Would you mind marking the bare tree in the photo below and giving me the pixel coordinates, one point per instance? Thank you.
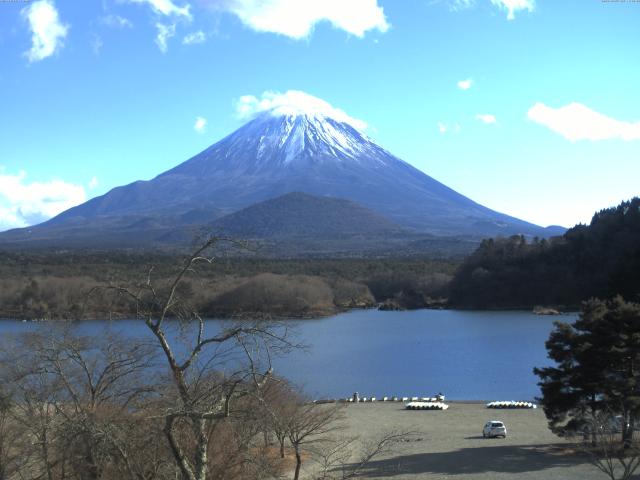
(600, 440)
(188, 402)
(278, 402)
(310, 424)
(210, 371)
(13, 440)
(76, 397)
(35, 410)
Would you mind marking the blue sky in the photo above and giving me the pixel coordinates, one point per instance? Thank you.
(528, 107)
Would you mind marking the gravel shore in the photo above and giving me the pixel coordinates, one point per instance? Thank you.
(450, 444)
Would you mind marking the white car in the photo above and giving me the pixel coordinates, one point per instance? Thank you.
(494, 428)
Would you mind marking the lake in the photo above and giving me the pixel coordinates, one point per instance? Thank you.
(467, 355)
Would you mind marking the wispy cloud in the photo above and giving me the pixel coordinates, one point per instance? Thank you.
(465, 84)
(296, 18)
(167, 7)
(512, 6)
(195, 37)
(200, 125)
(116, 21)
(457, 5)
(97, 44)
(23, 203)
(93, 183)
(454, 5)
(165, 32)
(292, 102)
(47, 31)
(486, 118)
(576, 121)
(444, 128)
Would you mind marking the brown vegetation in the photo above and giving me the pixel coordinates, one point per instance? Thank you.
(55, 285)
(280, 295)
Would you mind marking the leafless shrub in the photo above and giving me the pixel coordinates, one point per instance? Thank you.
(346, 457)
(599, 438)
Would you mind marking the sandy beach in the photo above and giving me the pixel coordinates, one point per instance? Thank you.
(450, 444)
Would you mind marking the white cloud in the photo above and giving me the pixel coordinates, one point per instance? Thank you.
(442, 128)
(47, 32)
(165, 32)
(116, 21)
(292, 102)
(465, 84)
(23, 204)
(167, 7)
(296, 18)
(195, 37)
(486, 118)
(200, 125)
(512, 6)
(576, 121)
(93, 183)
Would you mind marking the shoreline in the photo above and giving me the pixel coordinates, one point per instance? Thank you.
(316, 315)
(448, 402)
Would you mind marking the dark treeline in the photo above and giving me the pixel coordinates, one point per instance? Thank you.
(597, 260)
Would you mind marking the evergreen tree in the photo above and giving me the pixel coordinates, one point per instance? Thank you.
(597, 367)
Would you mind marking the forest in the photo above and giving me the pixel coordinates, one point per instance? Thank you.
(596, 260)
(601, 260)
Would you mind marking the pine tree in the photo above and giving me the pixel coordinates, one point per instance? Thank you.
(597, 367)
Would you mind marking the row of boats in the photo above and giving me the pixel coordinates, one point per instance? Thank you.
(356, 398)
(430, 403)
(511, 404)
(426, 406)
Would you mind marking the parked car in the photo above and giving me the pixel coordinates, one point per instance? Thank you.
(494, 428)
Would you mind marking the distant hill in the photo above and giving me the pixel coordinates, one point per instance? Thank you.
(597, 260)
(297, 224)
(292, 225)
(301, 215)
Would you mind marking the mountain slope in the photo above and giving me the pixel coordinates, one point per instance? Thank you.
(275, 154)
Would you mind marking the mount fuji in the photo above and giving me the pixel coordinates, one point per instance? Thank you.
(286, 148)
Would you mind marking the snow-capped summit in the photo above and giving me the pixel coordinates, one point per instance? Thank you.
(297, 126)
(294, 103)
(302, 138)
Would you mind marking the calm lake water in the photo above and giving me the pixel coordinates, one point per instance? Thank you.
(466, 355)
